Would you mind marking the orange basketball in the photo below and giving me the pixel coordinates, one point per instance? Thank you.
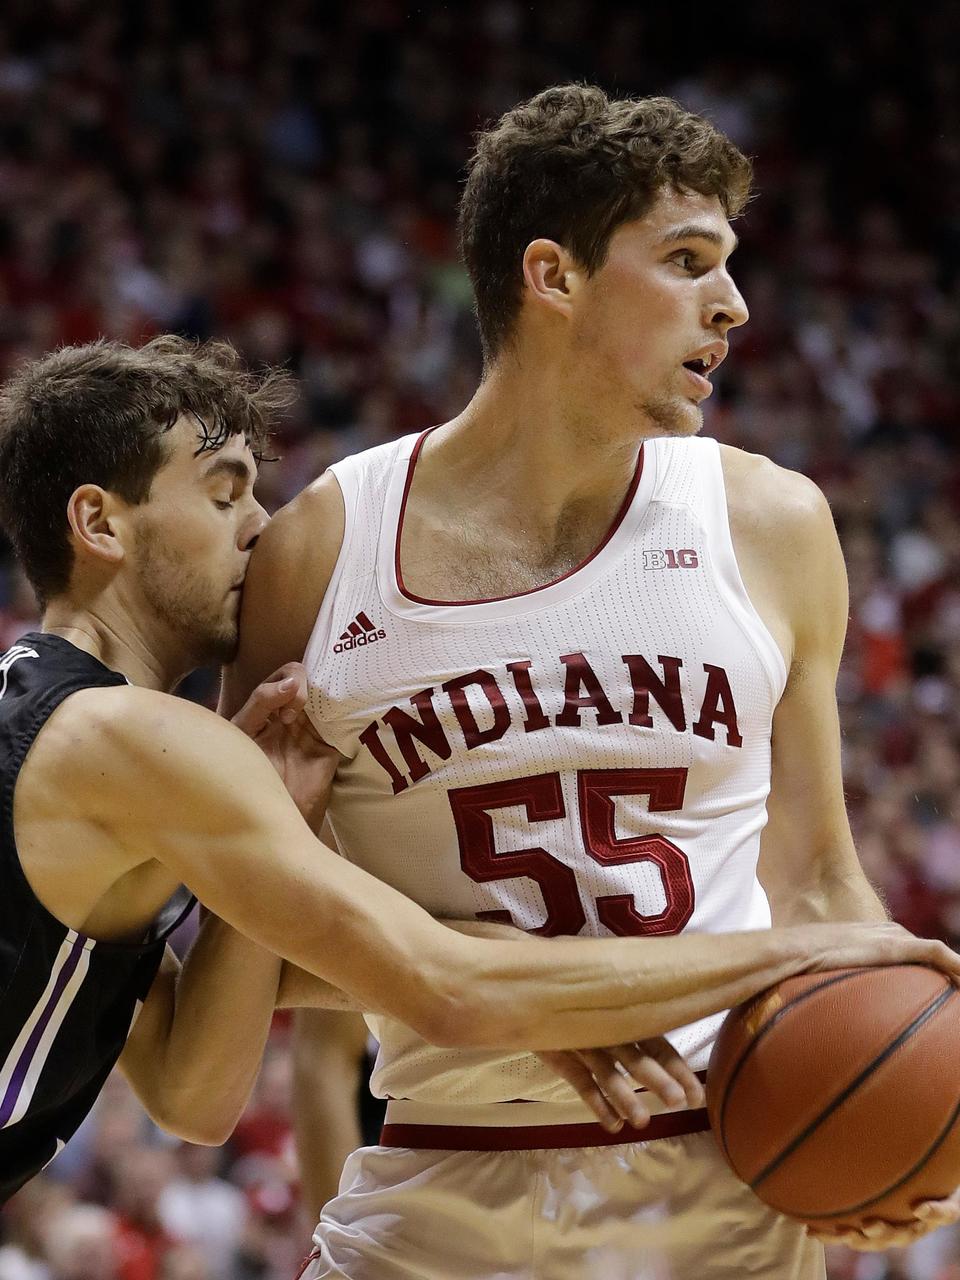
(836, 1096)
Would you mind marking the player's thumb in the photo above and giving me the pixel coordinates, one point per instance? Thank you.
(266, 699)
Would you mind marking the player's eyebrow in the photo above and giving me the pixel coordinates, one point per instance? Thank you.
(695, 231)
(234, 467)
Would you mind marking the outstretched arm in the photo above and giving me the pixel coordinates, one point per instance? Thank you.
(189, 790)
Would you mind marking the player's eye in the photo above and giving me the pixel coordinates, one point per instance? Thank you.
(686, 260)
(221, 505)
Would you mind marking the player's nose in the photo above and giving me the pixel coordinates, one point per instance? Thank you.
(729, 311)
(253, 526)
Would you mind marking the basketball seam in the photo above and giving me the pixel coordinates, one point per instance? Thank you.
(931, 1150)
(920, 1020)
(768, 1026)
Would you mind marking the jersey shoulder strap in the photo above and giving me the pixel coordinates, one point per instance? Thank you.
(364, 480)
(690, 474)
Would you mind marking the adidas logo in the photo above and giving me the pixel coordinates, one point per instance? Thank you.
(361, 631)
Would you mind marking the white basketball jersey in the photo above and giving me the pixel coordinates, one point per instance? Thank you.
(591, 757)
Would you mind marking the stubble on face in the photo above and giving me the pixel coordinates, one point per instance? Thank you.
(204, 619)
(670, 417)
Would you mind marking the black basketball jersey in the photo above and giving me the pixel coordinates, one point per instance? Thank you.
(67, 1003)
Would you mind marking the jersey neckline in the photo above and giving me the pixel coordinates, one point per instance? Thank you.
(402, 601)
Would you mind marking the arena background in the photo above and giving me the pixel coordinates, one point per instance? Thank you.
(285, 175)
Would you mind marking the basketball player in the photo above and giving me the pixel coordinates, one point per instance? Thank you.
(126, 483)
(573, 659)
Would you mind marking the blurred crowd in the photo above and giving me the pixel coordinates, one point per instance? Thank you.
(286, 176)
(125, 1202)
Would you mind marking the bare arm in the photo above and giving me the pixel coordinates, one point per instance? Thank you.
(808, 863)
(302, 990)
(193, 1053)
(328, 1051)
(234, 836)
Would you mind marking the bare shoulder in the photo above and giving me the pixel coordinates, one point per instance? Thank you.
(99, 738)
(289, 573)
(787, 546)
(311, 525)
(772, 502)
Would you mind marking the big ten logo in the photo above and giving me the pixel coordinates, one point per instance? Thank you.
(685, 558)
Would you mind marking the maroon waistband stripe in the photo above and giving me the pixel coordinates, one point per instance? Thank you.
(539, 1137)
(311, 1257)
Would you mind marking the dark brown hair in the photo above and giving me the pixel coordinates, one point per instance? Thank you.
(98, 414)
(572, 165)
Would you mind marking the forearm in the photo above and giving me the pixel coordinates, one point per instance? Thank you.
(196, 1048)
(577, 993)
(252, 858)
(527, 993)
(300, 989)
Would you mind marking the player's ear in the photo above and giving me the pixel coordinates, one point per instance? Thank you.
(92, 516)
(551, 275)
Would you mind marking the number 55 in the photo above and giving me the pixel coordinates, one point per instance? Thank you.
(542, 798)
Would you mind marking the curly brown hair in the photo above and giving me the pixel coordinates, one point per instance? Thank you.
(572, 165)
(98, 414)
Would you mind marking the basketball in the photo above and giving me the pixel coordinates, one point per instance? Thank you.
(835, 1096)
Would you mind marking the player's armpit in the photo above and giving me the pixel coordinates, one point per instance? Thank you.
(283, 590)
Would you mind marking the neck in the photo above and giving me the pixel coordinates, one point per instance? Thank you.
(121, 647)
(526, 444)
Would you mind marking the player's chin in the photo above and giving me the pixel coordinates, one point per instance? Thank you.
(686, 420)
(219, 646)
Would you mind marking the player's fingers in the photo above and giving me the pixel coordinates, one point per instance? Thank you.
(872, 1237)
(295, 694)
(662, 1051)
(265, 702)
(849, 1238)
(297, 698)
(938, 1213)
(282, 694)
(649, 1074)
(577, 1074)
(827, 1235)
(877, 1230)
(619, 1089)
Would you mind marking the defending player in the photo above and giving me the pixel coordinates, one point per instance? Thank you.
(126, 482)
(572, 657)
